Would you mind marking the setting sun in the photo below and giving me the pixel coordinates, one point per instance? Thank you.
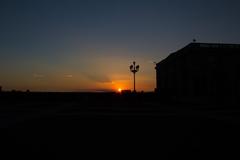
(119, 89)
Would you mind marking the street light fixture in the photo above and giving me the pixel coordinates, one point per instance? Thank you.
(134, 69)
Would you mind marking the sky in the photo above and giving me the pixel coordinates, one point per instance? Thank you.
(88, 45)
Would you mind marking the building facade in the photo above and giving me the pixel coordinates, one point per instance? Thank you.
(201, 71)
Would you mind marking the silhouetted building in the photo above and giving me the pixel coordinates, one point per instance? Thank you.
(126, 91)
(202, 72)
(0, 88)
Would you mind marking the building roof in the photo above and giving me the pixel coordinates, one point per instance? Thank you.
(202, 47)
(214, 45)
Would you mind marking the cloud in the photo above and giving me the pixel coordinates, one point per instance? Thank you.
(153, 62)
(100, 78)
(68, 76)
(38, 76)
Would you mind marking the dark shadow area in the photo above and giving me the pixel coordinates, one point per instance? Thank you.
(201, 73)
(110, 125)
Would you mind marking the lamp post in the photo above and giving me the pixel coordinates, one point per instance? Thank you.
(134, 69)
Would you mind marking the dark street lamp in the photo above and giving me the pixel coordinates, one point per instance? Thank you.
(134, 69)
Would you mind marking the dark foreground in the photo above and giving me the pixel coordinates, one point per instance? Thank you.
(110, 126)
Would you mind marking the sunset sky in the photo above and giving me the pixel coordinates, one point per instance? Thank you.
(88, 45)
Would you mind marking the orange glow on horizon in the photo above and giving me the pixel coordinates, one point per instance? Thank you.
(119, 90)
(119, 85)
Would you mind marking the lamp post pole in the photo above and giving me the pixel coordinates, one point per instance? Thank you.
(134, 69)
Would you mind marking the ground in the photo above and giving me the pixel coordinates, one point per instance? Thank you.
(109, 125)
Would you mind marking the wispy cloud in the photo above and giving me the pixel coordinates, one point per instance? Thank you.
(153, 62)
(38, 76)
(68, 76)
(100, 78)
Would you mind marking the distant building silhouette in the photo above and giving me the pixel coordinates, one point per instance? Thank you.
(126, 91)
(0, 88)
(201, 71)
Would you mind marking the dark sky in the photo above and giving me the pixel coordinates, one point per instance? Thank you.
(65, 45)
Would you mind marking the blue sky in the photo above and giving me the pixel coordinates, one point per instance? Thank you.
(68, 45)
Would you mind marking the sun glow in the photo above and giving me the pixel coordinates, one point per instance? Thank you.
(119, 90)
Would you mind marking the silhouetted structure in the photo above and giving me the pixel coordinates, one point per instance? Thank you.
(126, 91)
(202, 72)
(0, 88)
(134, 69)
